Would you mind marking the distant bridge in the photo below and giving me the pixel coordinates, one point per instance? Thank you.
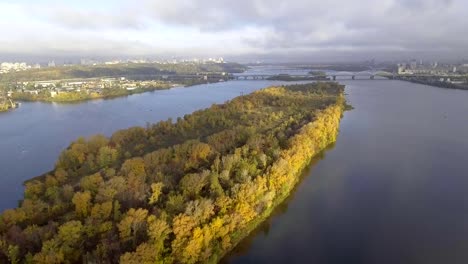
(365, 75)
(325, 77)
(333, 76)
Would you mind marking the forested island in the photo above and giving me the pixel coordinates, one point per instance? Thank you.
(183, 191)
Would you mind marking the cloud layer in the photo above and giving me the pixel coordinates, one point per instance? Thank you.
(295, 28)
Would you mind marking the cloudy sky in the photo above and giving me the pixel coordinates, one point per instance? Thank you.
(295, 29)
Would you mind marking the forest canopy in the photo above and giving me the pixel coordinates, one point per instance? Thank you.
(179, 191)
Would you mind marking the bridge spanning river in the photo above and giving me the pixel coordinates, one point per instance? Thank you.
(366, 75)
(304, 76)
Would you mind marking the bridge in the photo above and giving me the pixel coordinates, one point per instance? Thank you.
(365, 75)
(333, 76)
(320, 78)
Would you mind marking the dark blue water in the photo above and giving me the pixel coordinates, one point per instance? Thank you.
(394, 188)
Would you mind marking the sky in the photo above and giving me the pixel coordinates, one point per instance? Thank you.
(242, 29)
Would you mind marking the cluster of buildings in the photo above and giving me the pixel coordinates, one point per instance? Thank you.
(194, 60)
(414, 67)
(93, 62)
(6, 67)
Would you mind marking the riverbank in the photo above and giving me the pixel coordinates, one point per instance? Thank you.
(329, 122)
(4, 107)
(74, 97)
(435, 83)
(110, 93)
(199, 194)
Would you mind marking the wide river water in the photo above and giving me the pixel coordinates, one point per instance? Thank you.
(393, 189)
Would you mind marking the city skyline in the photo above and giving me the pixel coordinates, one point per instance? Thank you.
(294, 30)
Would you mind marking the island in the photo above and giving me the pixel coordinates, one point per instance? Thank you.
(179, 191)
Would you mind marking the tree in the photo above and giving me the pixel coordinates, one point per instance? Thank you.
(34, 189)
(107, 156)
(200, 210)
(101, 212)
(132, 227)
(216, 189)
(175, 204)
(65, 247)
(74, 157)
(92, 183)
(158, 231)
(61, 175)
(135, 166)
(192, 184)
(82, 202)
(156, 191)
(96, 142)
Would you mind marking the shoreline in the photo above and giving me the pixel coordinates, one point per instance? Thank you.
(82, 100)
(7, 107)
(132, 92)
(438, 84)
(298, 175)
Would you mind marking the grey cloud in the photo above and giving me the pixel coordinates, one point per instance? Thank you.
(89, 19)
(386, 27)
(420, 5)
(95, 20)
(395, 25)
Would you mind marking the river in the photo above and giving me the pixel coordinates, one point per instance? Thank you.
(393, 189)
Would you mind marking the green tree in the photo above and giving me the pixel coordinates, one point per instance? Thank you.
(107, 156)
